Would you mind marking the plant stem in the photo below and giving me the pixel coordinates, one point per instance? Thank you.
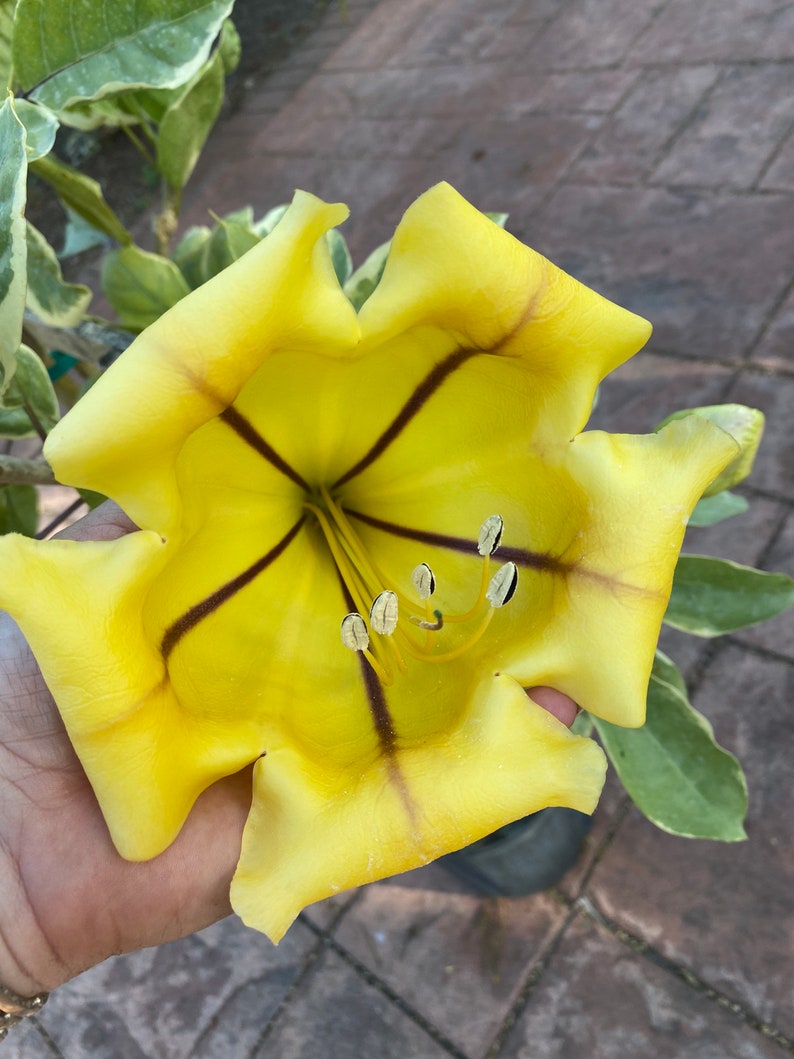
(140, 145)
(14, 470)
(36, 423)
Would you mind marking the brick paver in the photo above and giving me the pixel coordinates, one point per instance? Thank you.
(647, 146)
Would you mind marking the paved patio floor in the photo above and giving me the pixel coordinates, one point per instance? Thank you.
(646, 146)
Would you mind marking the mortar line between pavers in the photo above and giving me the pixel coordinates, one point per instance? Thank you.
(683, 64)
(765, 653)
(774, 537)
(531, 982)
(735, 365)
(723, 190)
(712, 648)
(767, 494)
(645, 29)
(619, 816)
(686, 123)
(562, 179)
(605, 117)
(772, 157)
(393, 997)
(692, 358)
(769, 317)
(699, 985)
(309, 963)
(729, 384)
(53, 1046)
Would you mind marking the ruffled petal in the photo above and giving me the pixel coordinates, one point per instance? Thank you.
(123, 438)
(453, 269)
(146, 758)
(314, 832)
(608, 602)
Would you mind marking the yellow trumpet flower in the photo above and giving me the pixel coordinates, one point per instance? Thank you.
(362, 536)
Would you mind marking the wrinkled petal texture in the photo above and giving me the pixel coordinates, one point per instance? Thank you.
(287, 460)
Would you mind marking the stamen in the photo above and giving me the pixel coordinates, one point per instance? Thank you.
(364, 580)
(350, 574)
(490, 535)
(356, 638)
(500, 591)
(354, 632)
(424, 581)
(383, 613)
(503, 585)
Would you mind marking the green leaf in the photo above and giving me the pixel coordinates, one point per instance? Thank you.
(190, 255)
(81, 194)
(582, 724)
(50, 297)
(665, 670)
(366, 278)
(674, 771)
(91, 498)
(13, 246)
(714, 596)
(187, 122)
(30, 391)
(141, 286)
(228, 242)
(40, 128)
(230, 47)
(6, 33)
(498, 218)
(710, 510)
(112, 112)
(19, 509)
(79, 235)
(243, 216)
(340, 255)
(265, 225)
(69, 51)
(746, 427)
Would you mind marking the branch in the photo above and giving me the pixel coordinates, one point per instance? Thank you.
(16, 471)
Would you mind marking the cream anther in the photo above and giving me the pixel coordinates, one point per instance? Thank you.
(490, 535)
(354, 632)
(423, 580)
(383, 613)
(503, 585)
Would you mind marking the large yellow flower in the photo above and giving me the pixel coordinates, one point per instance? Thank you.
(290, 464)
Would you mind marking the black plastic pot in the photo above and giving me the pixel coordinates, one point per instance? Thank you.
(524, 857)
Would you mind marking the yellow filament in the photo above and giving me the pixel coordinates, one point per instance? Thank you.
(350, 575)
(481, 597)
(386, 678)
(355, 585)
(398, 658)
(362, 557)
(461, 649)
(349, 535)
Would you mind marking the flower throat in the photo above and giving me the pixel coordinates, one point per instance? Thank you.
(398, 627)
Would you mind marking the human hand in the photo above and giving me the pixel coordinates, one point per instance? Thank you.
(69, 899)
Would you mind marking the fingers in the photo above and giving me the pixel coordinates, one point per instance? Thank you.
(561, 706)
